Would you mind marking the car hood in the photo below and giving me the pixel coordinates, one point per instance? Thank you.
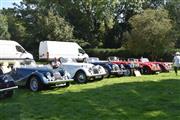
(40, 69)
(79, 64)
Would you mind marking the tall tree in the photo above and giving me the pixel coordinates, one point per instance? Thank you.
(150, 33)
(124, 10)
(173, 7)
(4, 34)
(41, 23)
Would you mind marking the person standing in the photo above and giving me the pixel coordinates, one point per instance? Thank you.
(176, 62)
(55, 63)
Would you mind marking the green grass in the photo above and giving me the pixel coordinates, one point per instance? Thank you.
(149, 97)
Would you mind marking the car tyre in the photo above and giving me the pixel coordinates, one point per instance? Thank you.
(146, 70)
(80, 77)
(35, 84)
(107, 73)
(128, 72)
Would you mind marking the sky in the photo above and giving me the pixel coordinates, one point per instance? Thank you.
(8, 3)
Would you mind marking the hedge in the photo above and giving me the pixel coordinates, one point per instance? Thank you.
(123, 53)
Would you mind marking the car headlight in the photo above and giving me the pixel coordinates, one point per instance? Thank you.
(90, 70)
(7, 78)
(115, 67)
(67, 75)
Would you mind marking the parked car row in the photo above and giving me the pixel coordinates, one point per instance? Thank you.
(19, 68)
(143, 65)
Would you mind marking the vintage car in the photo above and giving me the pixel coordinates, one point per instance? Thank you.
(129, 66)
(7, 86)
(82, 72)
(146, 67)
(164, 66)
(111, 68)
(37, 77)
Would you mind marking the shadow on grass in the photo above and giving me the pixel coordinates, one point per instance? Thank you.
(123, 101)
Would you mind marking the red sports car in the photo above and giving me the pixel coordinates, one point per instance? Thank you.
(164, 66)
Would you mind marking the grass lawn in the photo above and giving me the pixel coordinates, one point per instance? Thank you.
(149, 97)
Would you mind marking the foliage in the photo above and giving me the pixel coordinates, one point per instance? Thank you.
(91, 23)
(38, 24)
(55, 28)
(150, 33)
(174, 9)
(17, 30)
(130, 98)
(105, 53)
(4, 34)
(123, 11)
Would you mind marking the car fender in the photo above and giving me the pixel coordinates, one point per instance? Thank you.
(84, 70)
(41, 77)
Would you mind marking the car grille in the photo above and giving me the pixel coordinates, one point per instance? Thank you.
(95, 71)
(115, 68)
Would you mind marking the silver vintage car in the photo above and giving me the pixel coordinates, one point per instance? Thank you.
(82, 72)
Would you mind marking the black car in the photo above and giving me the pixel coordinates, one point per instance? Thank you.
(7, 86)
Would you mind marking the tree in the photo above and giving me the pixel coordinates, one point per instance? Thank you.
(123, 11)
(54, 27)
(150, 33)
(38, 23)
(4, 34)
(173, 7)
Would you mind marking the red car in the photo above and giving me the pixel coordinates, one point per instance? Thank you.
(164, 66)
(144, 67)
(128, 65)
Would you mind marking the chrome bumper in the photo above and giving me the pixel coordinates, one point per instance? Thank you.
(59, 81)
(10, 88)
(119, 72)
(96, 76)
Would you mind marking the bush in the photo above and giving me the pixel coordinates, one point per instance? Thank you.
(123, 53)
(105, 53)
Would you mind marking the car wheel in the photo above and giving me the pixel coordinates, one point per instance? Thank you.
(107, 73)
(80, 77)
(128, 72)
(146, 70)
(35, 84)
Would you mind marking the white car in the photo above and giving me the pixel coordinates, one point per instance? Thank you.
(82, 72)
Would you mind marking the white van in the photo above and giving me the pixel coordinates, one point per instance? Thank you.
(12, 52)
(49, 50)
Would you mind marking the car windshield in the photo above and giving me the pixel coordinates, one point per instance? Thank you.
(144, 60)
(28, 63)
(113, 59)
(132, 60)
(68, 60)
(93, 59)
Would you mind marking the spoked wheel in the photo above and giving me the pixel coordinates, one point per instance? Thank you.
(128, 72)
(146, 70)
(35, 84)
(80, 77)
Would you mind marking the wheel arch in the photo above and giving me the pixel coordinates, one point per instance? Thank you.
(35, 74)
(80, 70)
